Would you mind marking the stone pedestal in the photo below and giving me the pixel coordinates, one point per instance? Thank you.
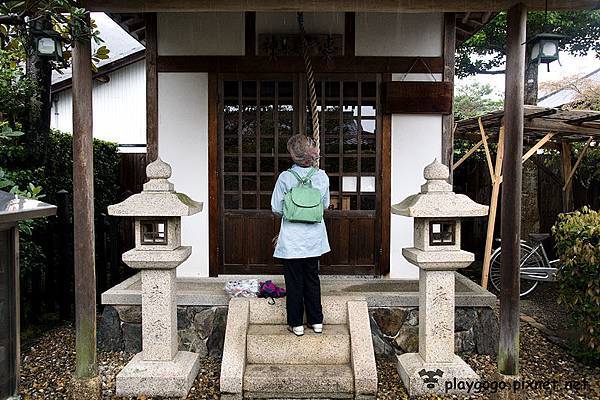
(435, 369)
(159, 369)
(437, 211)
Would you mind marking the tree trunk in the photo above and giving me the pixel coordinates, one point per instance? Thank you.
(37, 124)
(531, 79)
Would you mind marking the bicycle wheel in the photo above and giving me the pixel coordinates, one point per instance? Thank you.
(526, 285)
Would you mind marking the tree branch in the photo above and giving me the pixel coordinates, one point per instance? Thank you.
(11, 20)
(486, 72)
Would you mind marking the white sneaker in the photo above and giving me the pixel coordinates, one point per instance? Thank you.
(297, 330)
(317, 328)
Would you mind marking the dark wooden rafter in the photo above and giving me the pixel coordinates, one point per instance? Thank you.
(469, 23)
(350, 34)
(250, 33)
(331, 5)
(291, 64)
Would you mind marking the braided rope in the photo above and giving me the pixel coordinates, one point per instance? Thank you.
(314, 113)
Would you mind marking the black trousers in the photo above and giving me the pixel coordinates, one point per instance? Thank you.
(303, 290)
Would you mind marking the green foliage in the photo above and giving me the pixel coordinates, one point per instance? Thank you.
(475, 99)
(577, 237)
(64, 17)
(485, 50)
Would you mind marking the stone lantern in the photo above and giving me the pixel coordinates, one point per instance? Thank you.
(436, 211)
(160, 369)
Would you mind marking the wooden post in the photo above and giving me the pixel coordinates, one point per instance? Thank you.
(86, 368)
(151, 88)
(566, 169)
(489, 237)
(508, 353)
(448, 76)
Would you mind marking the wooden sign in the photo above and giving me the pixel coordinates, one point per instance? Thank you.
(401, 97)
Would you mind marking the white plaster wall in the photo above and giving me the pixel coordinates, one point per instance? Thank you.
(202, 33)
(397, 34)
(183, 143)
(119, 107)
(416, 141)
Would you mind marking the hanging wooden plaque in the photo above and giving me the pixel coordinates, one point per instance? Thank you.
(401, 97)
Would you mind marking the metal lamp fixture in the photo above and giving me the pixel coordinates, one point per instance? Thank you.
(48, 43)
(544, 46)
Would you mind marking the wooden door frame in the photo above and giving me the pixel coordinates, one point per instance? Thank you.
(383, 171)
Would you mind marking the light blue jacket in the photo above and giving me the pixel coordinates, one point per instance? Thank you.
(296, 239)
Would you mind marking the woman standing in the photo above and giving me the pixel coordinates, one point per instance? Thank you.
(300, 244)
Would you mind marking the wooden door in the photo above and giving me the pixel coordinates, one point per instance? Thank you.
(257, 116)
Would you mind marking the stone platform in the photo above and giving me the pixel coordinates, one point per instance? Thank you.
(393, 308)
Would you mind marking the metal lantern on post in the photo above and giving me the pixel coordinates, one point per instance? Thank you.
(48, 43)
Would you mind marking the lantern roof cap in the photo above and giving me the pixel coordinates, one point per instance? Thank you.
(158, 199)
(437, 200)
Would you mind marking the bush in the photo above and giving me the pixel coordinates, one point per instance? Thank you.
(577, 237)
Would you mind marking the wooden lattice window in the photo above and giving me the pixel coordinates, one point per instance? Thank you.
(349, 125)
(153, 232)
(258, 119)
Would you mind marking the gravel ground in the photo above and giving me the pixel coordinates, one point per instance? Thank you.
(48, 364)
(542, 306)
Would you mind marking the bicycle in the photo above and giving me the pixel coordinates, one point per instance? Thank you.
(535, 267)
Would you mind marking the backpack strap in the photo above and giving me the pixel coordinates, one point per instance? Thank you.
(308, 176)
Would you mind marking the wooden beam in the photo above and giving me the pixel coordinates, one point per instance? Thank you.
(292, 64)
(544, 124)
(329, 6)
(86, 366)
(151, 88)
(579, 158)
(489, 237)
(214, 105)
(581, 120)
(537, 146)
(467, 155)
(508, 352)
(566, 170)
(488, 156)
(350, 34)
(448, 76)
(250, 33)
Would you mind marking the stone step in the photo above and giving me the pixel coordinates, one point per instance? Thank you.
(267, 344)
(335, 310)
(298, 381)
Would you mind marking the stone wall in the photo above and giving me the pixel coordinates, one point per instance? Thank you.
(395, 330)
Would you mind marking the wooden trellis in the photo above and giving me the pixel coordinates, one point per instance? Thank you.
(543, 127)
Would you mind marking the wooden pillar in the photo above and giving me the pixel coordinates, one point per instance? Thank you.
(151, 89)
(566, 168)
(508, 353)
(83, 213)
(448, 76)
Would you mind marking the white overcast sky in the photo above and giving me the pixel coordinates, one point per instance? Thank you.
(571, 65)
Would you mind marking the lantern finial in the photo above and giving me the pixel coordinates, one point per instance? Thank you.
(436, 171)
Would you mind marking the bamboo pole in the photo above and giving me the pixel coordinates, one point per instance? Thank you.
(579, 158)
(488, 156)
(467, 155)
(508, 350)
(489, 237)
(567, 192)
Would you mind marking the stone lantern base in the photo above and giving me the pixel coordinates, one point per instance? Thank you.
(420, 377)
(159, 378)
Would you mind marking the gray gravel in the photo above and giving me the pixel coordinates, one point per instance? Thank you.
(48, 364)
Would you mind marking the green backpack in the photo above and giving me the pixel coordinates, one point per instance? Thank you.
(303, 203)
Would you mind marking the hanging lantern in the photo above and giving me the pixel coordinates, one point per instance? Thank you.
(544, 48)
(48, 44)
